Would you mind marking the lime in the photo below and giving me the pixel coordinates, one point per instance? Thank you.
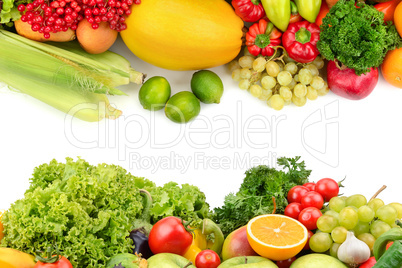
(207, 86)
(154, 93)
(182, 107)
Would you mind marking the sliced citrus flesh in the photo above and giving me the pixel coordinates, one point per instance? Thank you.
(276, 237)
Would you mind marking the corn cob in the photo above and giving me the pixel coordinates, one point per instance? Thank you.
(71, 81)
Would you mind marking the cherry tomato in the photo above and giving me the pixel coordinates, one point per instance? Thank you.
(62, 263)
(328, 188)
(307, 245)
(296, 192)
(310, 186)
(169, 235)
(369, 263)
(293, 210)
(207, 259)
(285, 263)
(309, 216)
(312, 199)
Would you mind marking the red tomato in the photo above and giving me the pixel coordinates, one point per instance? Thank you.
(310, 186)
(207, 259)
(369, 263)
(169, 235)
(312, 199)
(296, 192)
(388, 8)
(328, 188)
(307, 245)
(293, 210)
(285, 263)
(309, 216)
(62, 263)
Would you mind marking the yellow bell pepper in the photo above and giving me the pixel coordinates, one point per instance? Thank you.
(207, 236)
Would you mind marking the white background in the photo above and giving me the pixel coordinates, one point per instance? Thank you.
(335, 137)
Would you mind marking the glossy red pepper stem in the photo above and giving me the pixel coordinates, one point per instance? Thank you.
(262, 37)
(303, 35)
(300, 41)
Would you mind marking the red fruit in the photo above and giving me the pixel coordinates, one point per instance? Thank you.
(369, 263)
(207, 259)
(328, 188)
(296, 192)
(285, 263)
(307, 245)
(293, 210)
(346, 83)
(309, 216)
(310, 186)
(312, 199)
(236, 244)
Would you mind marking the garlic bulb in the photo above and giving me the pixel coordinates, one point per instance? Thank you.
(353, 251)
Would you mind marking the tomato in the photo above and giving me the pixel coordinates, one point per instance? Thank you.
(307, 245)
(62, 263)
(169, 235)
(388, 8)
(207, 259)
(285, 263)
(295, 18)
(293, 210)
(369, 263)
(398, 18)
(309, 216)
(310, 186)
(296, 192)
(312, 199)
(328, 188)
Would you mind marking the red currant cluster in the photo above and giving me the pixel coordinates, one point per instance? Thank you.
(52, 16)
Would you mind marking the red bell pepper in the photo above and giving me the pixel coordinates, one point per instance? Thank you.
(388, 8)
(262, 38)
(249, 10)
(300, 41)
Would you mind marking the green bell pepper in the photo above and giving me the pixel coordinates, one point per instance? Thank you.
(278, 12)
(308, 9)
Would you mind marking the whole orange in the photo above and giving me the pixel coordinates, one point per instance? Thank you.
(391, 68)
(398, 18)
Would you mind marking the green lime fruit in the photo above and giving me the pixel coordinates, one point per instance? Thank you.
(207, 86)
(182, 107)
(154, 93)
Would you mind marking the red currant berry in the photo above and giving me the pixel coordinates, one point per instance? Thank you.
(21, 8)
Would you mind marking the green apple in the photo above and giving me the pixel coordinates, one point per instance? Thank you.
(168, 260)
(248, 262)
(316, 260)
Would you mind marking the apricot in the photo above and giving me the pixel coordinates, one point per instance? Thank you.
(24, 29)
(95, 41)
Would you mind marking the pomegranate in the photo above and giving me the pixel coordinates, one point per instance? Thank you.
(346, 83)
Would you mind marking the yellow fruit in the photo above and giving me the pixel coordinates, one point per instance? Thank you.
(11, 258)
(183, 34)
(276, 237)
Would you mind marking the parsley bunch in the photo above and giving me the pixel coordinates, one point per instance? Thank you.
(255, 194)
(357, 36)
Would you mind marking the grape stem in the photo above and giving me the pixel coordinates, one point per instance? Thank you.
(378, 192)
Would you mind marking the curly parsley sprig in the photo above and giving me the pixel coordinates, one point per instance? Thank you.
(357, 36)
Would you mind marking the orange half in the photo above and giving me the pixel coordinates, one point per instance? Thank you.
(276, 237)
